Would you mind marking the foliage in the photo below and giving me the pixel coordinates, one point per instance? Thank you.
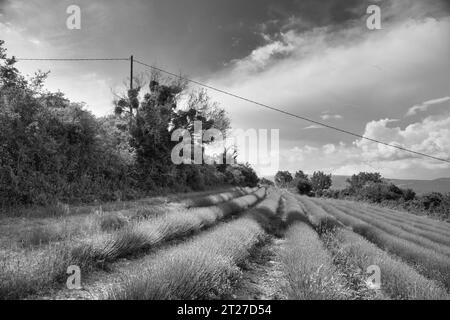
(358, 181)
(54, 150)
(283, 179)
(371, 187)
(50, 147)
(300, 175)
(241, 175)
(320, 181)
(267, 182)
(304, 186)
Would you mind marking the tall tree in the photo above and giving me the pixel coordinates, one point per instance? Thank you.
(320, 181)
(283, 179)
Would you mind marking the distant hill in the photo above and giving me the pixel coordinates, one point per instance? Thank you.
(441, 185)
(419, 186)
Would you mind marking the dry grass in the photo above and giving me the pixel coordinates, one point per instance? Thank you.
(398, 280)
(307, 264)
(202, 268)
(29, 271)
(429, 232)
(392, 229)
(150, 233)
(412, 218)
(214, 199)
(428, 262)
(34, 267)
(318, 217)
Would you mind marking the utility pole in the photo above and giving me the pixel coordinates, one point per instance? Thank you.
(131, 72)
(131, 90)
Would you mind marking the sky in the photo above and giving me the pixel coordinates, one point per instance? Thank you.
(316, 59)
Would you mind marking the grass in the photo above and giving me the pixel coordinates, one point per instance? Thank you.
(419, 220)
(64, 210)
(307, 264)
(318, 217)
(214, 199)
(28, 270)
(40, 235)
(202, 268)
(429, 232)
(153, 232)
(428, 262)
(398, 280)
(390, 228)
(112, 222)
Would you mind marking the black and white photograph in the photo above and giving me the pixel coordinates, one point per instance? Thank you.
(231, 157)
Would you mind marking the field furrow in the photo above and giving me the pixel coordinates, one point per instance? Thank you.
(428, 262)
(398, 280)
(307, 264)
(425, 229)
(27, 272)
(203, 267)
(391, 228)
(213, 199)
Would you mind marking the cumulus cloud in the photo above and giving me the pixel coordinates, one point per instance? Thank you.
(327, 116)
(262, 56)
(312, 127)
(430, 136)
(425, 105)
(359, 75)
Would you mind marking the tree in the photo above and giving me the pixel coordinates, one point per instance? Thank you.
(283, 179)
(320, 181)
(50, 148)
(300, 175)
(265, 181)
(409, 194)
(304, 186)
(241, 175)
(358, 181)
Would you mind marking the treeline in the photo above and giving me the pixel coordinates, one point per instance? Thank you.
(369, 187)
(52, 149)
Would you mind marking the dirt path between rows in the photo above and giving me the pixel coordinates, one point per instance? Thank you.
(263, 277)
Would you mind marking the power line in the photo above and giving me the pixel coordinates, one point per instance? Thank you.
(244, 99)
(291, 114)
(73, 59)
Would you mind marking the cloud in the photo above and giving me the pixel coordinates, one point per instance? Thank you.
(430, 136)
(262, 56)
(327, 116)
(425, 105)
(313, 127)
(328, 66)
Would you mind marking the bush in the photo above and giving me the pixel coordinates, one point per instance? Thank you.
(266, 182)
(304, 186)
(40, 236)
(320, 182)
(112, 222)
(358, 181)
(283, 179)
(241, 175)
(408, 194)
(54, 150)
(379, 192)
(431, 201)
